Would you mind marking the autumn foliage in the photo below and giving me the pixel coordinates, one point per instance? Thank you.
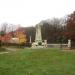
(6, 38)
(19, 34)
(70, 27)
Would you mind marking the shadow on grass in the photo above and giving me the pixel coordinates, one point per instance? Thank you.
(2, 49)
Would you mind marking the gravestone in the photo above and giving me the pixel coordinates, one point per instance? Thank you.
(69, 43)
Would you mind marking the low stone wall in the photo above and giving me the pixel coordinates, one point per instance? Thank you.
(63, 46)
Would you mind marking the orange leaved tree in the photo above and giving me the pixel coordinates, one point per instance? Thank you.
(20, 34)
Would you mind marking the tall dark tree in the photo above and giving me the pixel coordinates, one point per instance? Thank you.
(52, 30)
(70, 27)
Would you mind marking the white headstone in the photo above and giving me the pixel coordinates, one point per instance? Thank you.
(69, 43)
(45, 41)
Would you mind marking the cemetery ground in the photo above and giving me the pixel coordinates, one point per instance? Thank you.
(38, 62)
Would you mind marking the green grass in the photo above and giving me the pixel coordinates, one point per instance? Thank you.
(38, 62)
(2, 49)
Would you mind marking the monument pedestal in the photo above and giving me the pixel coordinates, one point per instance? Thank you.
(39, 45)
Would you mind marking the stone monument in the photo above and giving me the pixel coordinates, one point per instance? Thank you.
(38, 39)
(69, 43)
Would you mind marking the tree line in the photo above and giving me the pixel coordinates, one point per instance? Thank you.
(53, 30)
(56, 30)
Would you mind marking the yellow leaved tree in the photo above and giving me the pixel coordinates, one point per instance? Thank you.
(20, 34)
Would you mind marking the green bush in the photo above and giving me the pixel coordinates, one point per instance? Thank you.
(39, 43)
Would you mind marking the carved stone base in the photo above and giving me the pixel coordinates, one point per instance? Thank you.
(39, 45)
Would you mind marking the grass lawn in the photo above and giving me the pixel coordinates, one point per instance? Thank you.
(2, 49)
(37, 62)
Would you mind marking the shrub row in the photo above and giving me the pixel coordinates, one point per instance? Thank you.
(17, 45)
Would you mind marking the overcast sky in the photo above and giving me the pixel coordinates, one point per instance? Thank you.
(30, 12)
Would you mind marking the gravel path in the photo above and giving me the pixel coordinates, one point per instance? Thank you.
(3, 52)
(8, 50)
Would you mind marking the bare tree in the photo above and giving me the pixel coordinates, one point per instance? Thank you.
(4, 27)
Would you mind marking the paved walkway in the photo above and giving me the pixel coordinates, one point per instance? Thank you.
(3, 52)
(11, 49)
(8, 50)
